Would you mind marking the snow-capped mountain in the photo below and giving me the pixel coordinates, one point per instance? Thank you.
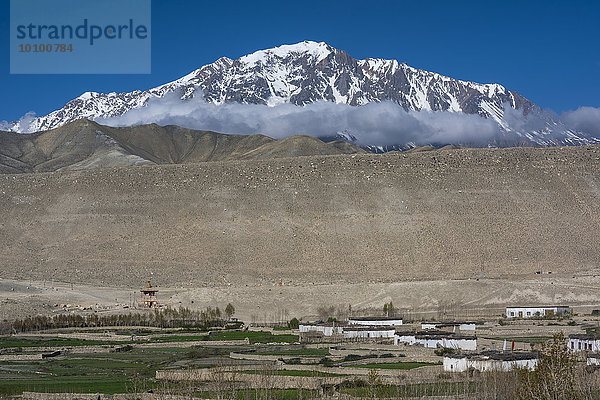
(307, 72)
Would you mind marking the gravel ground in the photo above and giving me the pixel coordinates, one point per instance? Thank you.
(350, 229)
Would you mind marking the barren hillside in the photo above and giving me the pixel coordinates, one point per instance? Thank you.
(320, 219)
(84, 144)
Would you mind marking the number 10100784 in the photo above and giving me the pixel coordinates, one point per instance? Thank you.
(46, 48)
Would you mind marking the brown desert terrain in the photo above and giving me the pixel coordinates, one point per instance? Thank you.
(356, 229)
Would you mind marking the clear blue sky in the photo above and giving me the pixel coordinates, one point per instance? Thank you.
(547, 50)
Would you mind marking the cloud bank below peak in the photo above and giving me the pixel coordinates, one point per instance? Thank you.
(379, 124)
(584, 119)
(374, 124)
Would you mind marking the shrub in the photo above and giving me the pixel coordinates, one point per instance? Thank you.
(442, 351)
(229, 310)
(353, 357)
(353, 383)
(204, 352)
(326, 362)
(294, 323)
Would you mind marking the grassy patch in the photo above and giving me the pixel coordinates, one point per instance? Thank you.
(10, 341)
(107, 373)
(106, 385)
(297, 352)
(254, 337)
(181, 338)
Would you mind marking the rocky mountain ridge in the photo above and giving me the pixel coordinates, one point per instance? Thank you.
(309, 72)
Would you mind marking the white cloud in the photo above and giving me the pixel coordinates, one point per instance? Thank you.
(375, 123)
(25, 121)
(585, 119)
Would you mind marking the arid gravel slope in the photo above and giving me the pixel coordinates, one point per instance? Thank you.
(321, 219)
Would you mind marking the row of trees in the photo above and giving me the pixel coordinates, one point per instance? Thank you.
(342, 312)
(167, 317)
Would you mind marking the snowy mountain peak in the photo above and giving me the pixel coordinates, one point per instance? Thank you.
(309, 72)
(316, 50)
(87, 96)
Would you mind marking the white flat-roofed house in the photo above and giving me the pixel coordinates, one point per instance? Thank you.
(584, 342)
(533, 312)
(436, 339)
(490, 361)
(451, 326)
(348, 332)
(325, 329)
(369, 332)
(375, 321)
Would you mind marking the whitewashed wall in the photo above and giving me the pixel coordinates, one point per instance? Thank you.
(369, 334)
(530, 312)
(324, 329)
(376, 322)
(462, 364)
(461, 327)
(584, 344)
(452, 343)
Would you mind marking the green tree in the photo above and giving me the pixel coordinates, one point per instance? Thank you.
(389, 310)
(554, 376)
(294, 323)
(229, 310)
(373, 382)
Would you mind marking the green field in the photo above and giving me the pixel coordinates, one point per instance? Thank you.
(107, 373)
(254, 337)
(180, 338)
(134, 368)
(65, 385)
(10, 341)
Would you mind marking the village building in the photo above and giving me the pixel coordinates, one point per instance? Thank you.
(328, 329)
(369, 332)
(455, 327)
(375, 321)
(593, 359)
(315, 332)
(437, 339)
(490, 361)
(149, 298)
(584, 342)
(533, 312)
